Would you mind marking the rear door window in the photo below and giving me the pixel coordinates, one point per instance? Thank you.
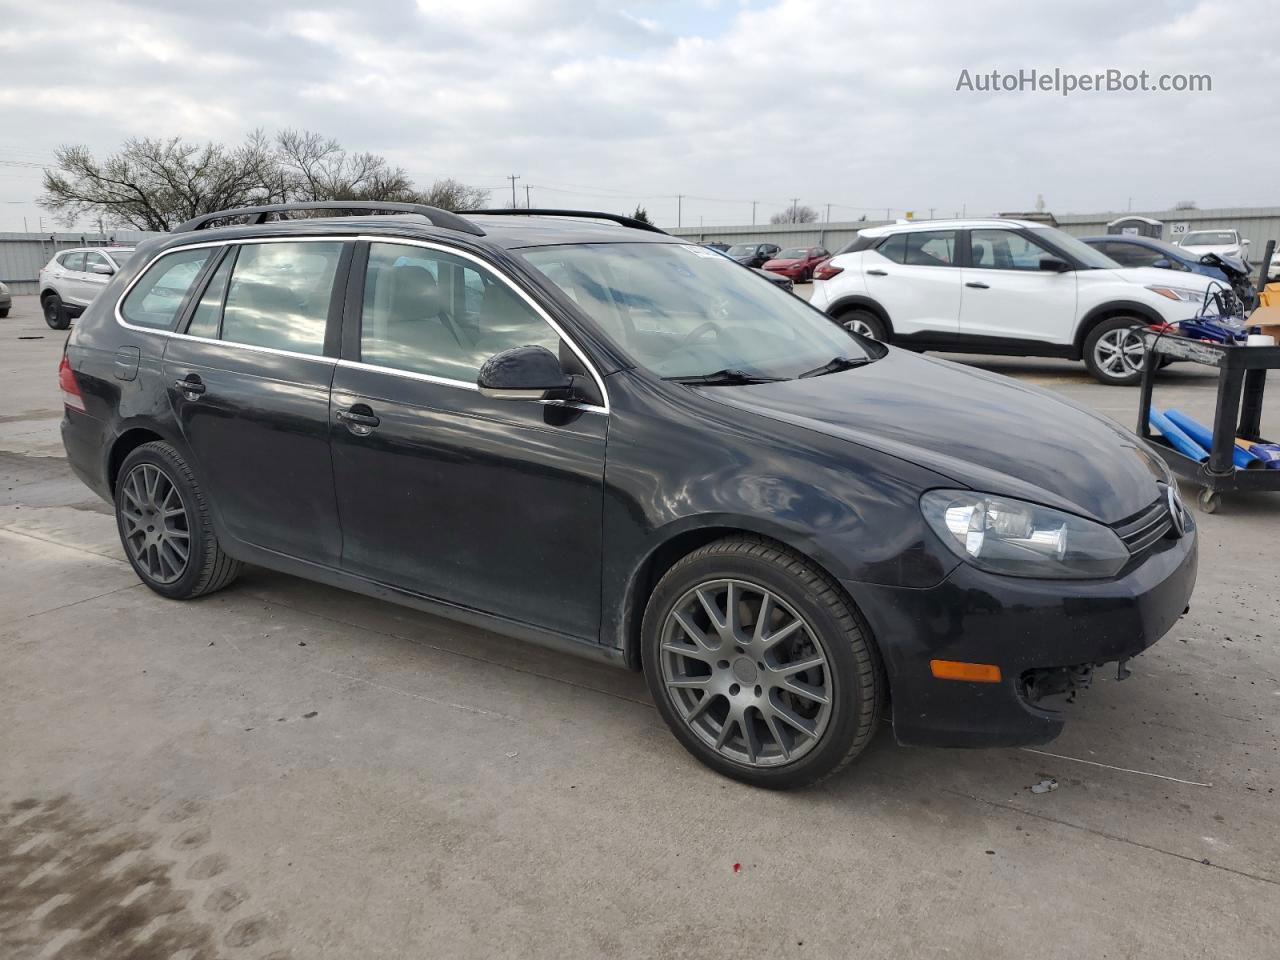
(206, 321)
(279, 295)
(158, 297)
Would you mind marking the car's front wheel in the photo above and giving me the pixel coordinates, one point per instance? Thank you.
(1114, 351)
(165, 528)
(55, 312)
(760, 665)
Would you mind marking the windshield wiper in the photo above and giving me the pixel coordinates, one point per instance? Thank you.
(723, 378)
(835, 365)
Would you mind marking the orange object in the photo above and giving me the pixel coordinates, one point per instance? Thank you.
(959, 670)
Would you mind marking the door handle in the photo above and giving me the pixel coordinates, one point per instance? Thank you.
(977, 285)
(877, 273)
(360, 424)
(191, 387)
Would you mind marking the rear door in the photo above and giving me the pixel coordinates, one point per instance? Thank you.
(249, 381)
(915, 276)
(491, 505)
(1008, 296)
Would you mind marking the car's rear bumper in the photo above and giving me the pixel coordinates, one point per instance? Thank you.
(1020, 626)
(82, 437)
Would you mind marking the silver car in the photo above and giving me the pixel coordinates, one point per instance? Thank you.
(70, 281)
(6, 300)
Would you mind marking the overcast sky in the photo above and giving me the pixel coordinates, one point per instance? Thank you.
(609, 105)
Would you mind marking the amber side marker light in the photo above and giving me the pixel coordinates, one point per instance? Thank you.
(959, 670)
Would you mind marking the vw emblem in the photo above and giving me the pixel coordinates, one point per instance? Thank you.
(1176, 513)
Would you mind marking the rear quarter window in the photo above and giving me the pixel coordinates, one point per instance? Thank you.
(157, 298)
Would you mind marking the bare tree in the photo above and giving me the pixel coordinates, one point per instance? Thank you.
(157, 184)
(796, 214)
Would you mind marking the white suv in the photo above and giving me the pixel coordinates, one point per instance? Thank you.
(69, 282)
(1002, 286)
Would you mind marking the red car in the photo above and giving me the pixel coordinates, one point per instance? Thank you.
(797, 263)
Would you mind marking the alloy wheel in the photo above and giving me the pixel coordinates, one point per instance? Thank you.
(858, 327)
(747, 673)
(157, 530)
(1119, 353)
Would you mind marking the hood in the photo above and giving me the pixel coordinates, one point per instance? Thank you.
(1222, 249)
(978, 429)
(1157, 276)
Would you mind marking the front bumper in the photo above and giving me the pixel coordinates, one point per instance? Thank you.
(1019, 625)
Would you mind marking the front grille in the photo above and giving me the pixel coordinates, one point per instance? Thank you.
(1141, 531)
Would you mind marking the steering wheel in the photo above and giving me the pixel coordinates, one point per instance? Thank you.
(705, 327)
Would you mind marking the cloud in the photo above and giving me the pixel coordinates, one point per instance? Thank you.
(595, 105)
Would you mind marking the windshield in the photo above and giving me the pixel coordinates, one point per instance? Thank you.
(1207, 238)
(683, 311)
(796, 254)
(1081, 251)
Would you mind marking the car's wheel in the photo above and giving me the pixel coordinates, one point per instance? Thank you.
(760, 664)
(164, 525)
(1114, 351)
(863, 322)
(4, 312)
(55, 312)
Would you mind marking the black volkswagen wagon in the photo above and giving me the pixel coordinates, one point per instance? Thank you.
(602, 438)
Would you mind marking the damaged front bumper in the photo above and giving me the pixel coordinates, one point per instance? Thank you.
(1046, 636)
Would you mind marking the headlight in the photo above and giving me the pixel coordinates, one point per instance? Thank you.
(1179, 293)
(1021, 539)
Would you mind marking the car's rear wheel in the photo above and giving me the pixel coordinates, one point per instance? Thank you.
(863, 322)
(1114, 351)
(760, 664)
(4, 312)
(55, 312)
(165, 528)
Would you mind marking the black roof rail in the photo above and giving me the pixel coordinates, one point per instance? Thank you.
(256, 215)
(589, 214)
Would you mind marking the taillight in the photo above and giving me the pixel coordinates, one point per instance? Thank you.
(826, 272)
(70, 389)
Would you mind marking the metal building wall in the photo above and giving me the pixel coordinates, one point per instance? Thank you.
(22, 255)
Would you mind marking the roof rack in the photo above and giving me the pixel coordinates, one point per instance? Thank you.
(256, 215)
(631, 222)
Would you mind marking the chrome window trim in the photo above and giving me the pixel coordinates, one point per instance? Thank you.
(410, 374)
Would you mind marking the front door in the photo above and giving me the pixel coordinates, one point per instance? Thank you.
(73, 284)
(491, 505)
(1008, 296)
(250, 385)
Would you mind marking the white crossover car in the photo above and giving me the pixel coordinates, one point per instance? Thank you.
(1003, 287)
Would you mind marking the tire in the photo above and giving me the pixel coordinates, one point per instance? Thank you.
(143, 477)
(715, 688)
(55, 312)
(1109, 354)
(4, 312)
(864, 322)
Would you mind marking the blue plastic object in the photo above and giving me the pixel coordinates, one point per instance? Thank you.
(1176, 437)
(1213, 329)
(1203, 436)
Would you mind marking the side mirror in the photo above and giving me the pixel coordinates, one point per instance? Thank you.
(1209, 259)
(1244, 243)
(523, 373)
(103, 269)
(1163, 263)
(1054, 265)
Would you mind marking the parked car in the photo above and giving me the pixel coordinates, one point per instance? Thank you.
(777, 279)
(1273, 268)
(6, 300)
(1002, 286)
(717, 247)
(1233, 274)
(69, 282)
(753, 254)
(797, 263)
(1227, 243)
(609, 441)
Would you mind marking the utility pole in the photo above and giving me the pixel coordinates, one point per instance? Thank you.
(753, 212)
(828, 220)
(679, 208)
(528, 204)
(794, 201)
(931, 213)
(888, 213)
(513, 178)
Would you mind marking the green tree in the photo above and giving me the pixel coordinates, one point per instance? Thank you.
(641, 214)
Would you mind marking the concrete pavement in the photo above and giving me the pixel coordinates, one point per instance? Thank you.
(283, 769)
